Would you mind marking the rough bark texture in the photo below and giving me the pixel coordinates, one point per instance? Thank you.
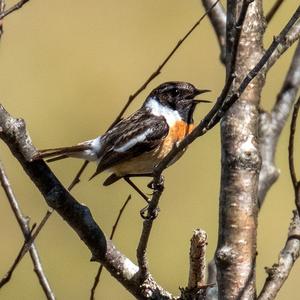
(235, 255)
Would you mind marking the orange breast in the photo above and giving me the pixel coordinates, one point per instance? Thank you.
(146, 162)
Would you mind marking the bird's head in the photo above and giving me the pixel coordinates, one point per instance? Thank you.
(177, 96)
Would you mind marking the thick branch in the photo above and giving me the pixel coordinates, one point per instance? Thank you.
(24, 225)
(217, 18)
(236, 251)
(78, 216)
(271, 125)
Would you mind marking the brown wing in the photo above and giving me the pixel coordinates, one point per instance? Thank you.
(131, 137)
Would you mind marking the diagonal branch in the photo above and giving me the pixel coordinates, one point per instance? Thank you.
(24, 225)
(12, 9)
(271, 125)
(78, 216)
(274, 9)
(280, 271)
(26, 246)
(221, 106)
(161, 66)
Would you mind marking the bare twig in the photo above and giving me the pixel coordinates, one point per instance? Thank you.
(160, 67)
(197, 259)
(97, 277)
(292, 36)
(280, 271)
(12, 9)
(2, 8)
(152, 211)
(26, 246)
(221, 106)
(217, 17)
(271, 125)
(295, 181)
(77, 176)
(273, 10)
(24, 225)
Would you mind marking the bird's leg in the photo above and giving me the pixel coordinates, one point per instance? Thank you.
(127, 179)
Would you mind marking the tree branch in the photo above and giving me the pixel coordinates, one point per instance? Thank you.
(224, 102)
(26, 246)
(292, 36)
(97, 277)
(273, 10)
(12, 9)
(280, 271)
(271, 125)
(217, 18)
(161, 66)
(24, 225)
(197, 259)
(158, 184)
(78, 216)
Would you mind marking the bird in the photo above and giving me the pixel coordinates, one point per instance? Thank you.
(136, 144)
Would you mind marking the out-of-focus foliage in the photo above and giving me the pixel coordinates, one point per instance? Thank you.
(67, 67)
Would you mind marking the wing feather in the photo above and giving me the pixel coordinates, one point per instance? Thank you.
(131, 137)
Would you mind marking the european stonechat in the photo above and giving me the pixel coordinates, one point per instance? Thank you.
(136, 144)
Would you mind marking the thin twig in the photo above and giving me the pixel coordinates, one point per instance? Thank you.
(272, 124)
(77, 176)
(160, 67)
(97, 277)
(26, 246)
(221, 106)
(2, 8)
(217, 17)
(273, 10)
(12, 9)
(280, 271)
(158, 183)
(295, 181)
(24, 225)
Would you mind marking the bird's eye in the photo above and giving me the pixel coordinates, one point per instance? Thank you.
(175, 92)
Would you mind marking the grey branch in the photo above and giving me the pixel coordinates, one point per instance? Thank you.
(271, 125)
(78, 216)
(236, 252)
(197, 259)
(24, 249)
(217, 18)
(292, 36)
(15, 7)
(24, 225)
(279, 272)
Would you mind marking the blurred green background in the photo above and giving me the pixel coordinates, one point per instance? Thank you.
(67, 68)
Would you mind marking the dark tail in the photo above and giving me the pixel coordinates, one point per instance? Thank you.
(59, 153)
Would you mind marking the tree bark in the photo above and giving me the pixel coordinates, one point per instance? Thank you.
(241, 162)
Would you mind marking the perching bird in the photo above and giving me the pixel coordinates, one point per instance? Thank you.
(136, 144)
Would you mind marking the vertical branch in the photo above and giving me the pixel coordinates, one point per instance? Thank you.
(2, 8)
(236, 251)
(197, 259)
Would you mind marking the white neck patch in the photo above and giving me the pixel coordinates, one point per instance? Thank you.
(157, 109)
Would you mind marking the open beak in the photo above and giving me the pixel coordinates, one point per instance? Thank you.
(198, 92)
